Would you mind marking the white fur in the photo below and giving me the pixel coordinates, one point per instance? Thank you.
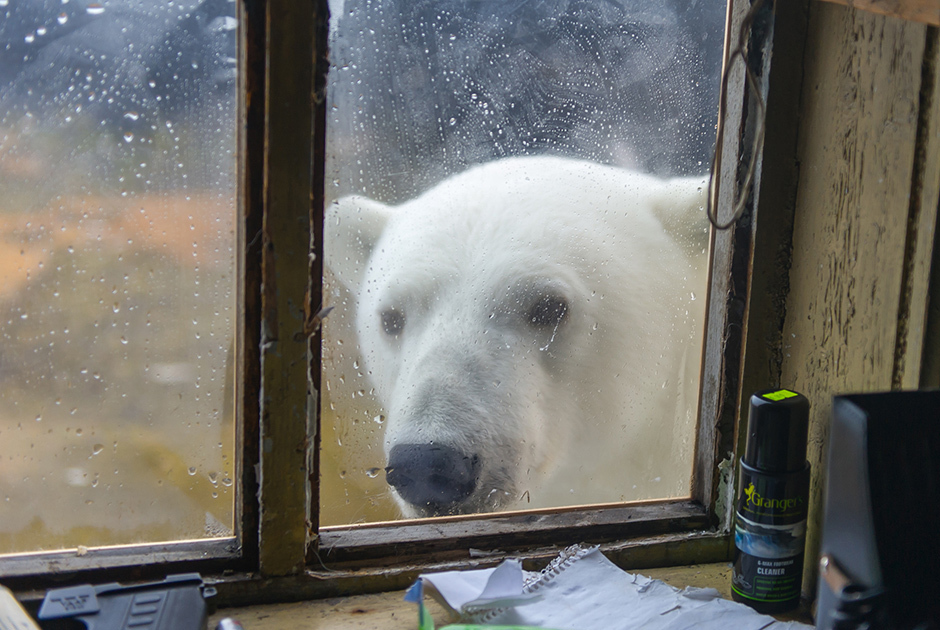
(599, 408)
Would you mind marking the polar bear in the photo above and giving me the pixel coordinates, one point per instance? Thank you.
(532, 327)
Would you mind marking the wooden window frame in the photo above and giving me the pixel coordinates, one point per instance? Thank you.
(26, 572)
(643, 534)
(279, 552)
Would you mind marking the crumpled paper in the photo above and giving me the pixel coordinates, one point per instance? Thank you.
(583, 590)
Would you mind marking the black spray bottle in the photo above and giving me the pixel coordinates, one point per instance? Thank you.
(770, 519)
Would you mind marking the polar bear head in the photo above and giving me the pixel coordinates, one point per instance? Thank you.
(527, 318)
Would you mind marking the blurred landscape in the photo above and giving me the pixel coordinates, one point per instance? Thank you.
(117, 272)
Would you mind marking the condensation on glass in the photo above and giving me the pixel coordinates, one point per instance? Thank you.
(516, 250)
(117, 271)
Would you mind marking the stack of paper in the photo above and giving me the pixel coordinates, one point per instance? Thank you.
(583, 590)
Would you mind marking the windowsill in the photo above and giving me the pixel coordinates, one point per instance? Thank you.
(388, 611)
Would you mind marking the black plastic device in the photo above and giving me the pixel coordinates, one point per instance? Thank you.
(880, 551)
(180, 602)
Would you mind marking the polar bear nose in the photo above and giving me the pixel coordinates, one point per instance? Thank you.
(432, 476)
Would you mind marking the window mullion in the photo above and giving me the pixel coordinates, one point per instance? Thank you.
(729, 276)
(288, 181)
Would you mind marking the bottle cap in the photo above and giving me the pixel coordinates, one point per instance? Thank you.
(777, 427)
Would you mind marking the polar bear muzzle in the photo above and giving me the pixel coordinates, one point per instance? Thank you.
(434, 478)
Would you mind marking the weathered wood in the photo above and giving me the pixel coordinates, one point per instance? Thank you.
(653, 551)
(917, 288)
(373, 611)
(930, 199)
(248, 326)
(671, 550)
(451, 537)
(927, 11)
(776, 199)
(751, 261)
(722, 317)
(119, 562)
(314, 300)
(290, 41)
(856, 149)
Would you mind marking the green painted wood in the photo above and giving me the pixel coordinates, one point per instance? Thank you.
(286, 237)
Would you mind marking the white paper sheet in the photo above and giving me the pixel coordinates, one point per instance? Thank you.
(583, 590)
(483, 589)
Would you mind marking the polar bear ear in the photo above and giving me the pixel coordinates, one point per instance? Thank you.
(680, 207)
(352, 226)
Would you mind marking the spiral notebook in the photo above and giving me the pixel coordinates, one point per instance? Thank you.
(583, 590)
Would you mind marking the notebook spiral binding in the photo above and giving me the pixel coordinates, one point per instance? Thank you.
(555, 567)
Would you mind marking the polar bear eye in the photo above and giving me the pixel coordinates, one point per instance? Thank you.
(393, 321)
(549, 311)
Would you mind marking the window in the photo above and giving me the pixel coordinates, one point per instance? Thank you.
(715, 439)
(529, 332)
(119, 263)
(279, 236)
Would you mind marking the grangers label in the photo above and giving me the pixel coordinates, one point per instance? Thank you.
(755, 501)
(773, 499)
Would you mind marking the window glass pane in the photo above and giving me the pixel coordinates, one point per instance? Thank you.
(516, 251)
(117, 271)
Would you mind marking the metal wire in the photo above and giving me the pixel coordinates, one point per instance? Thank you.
(739, 52)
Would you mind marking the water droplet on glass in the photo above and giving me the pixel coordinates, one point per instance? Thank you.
(63, 18)
(379, 419)
(372, 473)
(128, 137)
(94, 9)
(191, 471)
(30, 38)
(97, 448)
